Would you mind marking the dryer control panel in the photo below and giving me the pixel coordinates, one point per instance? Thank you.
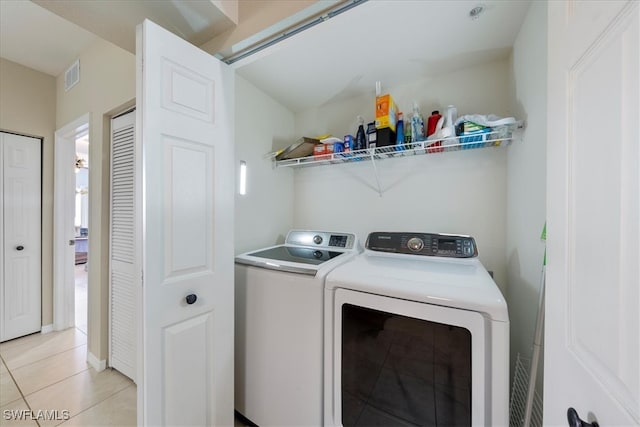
(425, 244)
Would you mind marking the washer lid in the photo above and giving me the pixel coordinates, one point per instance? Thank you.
(292, 259)
(296, 254)
(458, 283)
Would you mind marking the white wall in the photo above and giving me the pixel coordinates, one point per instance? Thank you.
(107, 82)
(265, 213)
(526, 174)
(460, 192)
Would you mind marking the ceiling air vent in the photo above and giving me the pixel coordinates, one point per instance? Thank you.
(72, 76)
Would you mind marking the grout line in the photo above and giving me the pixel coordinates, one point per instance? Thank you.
(43, 359)
(48, 356)
(98, 402)
(54, 383)
(24, 399)
(103, 400)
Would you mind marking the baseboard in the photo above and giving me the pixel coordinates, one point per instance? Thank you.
(97, 364)
(46, 328)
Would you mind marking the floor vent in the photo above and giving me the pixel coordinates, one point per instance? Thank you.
(72, 76)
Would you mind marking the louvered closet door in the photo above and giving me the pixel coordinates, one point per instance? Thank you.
(124, 274)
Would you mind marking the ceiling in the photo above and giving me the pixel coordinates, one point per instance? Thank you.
(49, 36)
(38, 39)
(388, 41)
(379, 40)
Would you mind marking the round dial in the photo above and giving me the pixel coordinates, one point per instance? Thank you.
(415, 244)
(317, 239)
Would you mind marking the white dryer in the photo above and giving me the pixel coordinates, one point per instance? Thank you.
(279, 327)
(416, 333)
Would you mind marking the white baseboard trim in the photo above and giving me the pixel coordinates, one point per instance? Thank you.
(97, 364)
(46, 328)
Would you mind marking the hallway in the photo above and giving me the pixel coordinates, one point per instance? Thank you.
(46, 381)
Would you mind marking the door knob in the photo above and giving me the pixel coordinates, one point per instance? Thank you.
(19, 248)
(191, 298)
(72, 242)
(575, 421)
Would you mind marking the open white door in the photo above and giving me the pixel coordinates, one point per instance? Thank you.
(184, 134)
(592, 338)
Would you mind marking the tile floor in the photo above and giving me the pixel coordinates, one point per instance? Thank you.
(47, 374)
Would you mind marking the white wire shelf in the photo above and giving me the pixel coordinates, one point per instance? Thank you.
(497, 137)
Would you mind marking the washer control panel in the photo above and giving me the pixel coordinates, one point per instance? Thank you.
(321, 239)
(425, 244)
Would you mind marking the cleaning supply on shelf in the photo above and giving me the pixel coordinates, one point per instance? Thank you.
(448, 129)
(386, 112)
(432, 122)
(371, 135)
(472, 135)
(432, 128)
(319, 151)
(400, 133)
(499, 128)
(490, 120)
(361, 139)
(417, 126)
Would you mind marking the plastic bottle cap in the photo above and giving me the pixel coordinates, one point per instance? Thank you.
(435, 112)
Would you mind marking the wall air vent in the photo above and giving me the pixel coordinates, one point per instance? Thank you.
(72, 76)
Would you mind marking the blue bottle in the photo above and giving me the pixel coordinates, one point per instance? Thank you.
(400, 133)
(361, 139)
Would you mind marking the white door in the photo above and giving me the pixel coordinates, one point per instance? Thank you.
(20, 223)
(592, 338)
(184, 128)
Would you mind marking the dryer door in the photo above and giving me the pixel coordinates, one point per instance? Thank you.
(398, 362)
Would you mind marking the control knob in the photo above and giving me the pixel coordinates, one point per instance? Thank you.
(317, 239)
(415, 244)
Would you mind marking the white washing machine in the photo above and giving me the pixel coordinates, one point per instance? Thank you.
(416, 333)
(279, 327)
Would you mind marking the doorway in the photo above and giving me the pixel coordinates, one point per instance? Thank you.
(71, 226)
(81, 226)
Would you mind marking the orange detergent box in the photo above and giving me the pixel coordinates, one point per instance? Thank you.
(386, 112)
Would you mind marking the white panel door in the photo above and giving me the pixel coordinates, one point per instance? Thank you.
(592, 338)
(184, 128)
(20, 290)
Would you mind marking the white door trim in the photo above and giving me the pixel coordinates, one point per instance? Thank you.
(63, 278)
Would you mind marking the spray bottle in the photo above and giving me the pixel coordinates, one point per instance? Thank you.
(417, 126)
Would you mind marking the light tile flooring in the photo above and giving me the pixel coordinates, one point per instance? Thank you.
(47, 377)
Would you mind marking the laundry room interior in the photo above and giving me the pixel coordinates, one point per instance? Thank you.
(317, 75)
(495, 194)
